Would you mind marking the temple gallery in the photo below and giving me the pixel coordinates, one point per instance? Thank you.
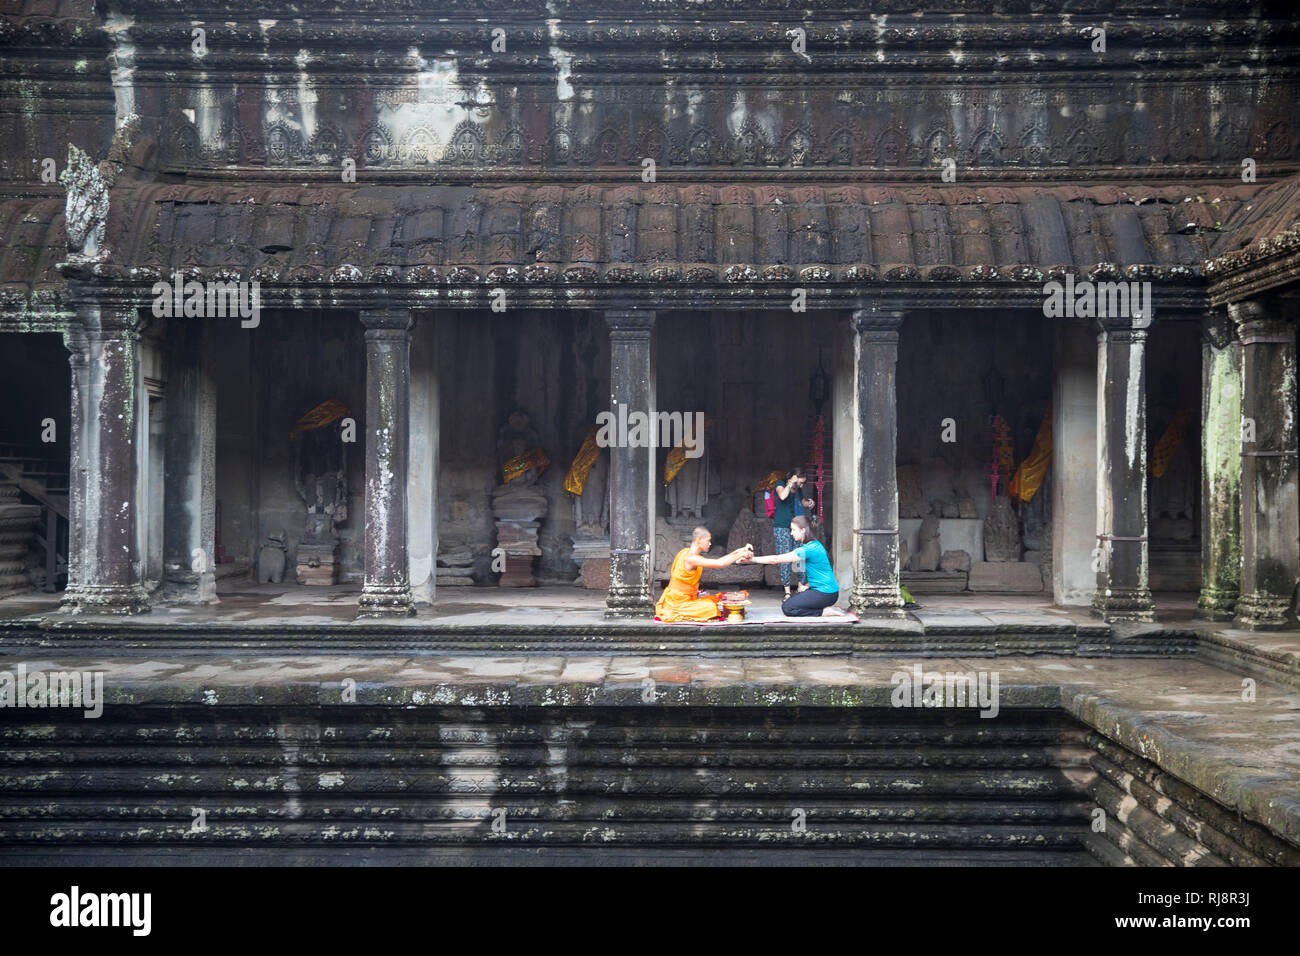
(487, 383)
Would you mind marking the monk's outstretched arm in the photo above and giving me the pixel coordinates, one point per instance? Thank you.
(699, 561)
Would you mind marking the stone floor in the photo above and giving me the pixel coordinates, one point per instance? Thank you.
(270, 603)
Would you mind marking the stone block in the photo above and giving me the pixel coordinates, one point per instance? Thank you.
(933, 582)
(1005, 577)
(595, 574)
(317, 564)
(454, 581)
(955, 561)
(518, 572)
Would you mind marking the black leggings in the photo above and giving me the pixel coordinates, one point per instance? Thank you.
(808, 603)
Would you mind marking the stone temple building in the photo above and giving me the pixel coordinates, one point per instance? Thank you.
(287, 293)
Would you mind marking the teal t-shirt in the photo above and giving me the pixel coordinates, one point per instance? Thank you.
(817, 565)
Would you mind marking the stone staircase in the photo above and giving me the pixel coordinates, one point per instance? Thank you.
(43, 481)
(457, 784)
(19, 523)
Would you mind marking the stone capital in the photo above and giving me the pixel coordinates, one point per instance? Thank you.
(1217, 328)
(871, 320)
(630, 323)
(1119, 326)
(397, 322)
(99, 321)
(74, 340)
(1120, 333)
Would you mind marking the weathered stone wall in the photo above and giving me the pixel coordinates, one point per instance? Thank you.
(682, 84)
(55, 88)
(1155, 819)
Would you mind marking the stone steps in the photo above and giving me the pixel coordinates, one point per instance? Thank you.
(1153, 819)
(18, 525)
(597, 784)
(871, 784)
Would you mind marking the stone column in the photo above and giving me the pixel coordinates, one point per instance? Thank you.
(104, 434)
(1074, 465)
(387, 589)
(78, 359)
(1270, 521)
(1123, 592)
(1220, 468)
(875, 442)
(630, 469)
(190, 471)
(422, 481)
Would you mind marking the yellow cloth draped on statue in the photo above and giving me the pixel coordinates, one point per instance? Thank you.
(320, 416)
(1029, 476)
(681, 600)
(576, 479)
(1163, 454)
(677, 457)
(533, 458)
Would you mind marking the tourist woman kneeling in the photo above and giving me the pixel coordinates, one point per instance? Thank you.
(822, 590)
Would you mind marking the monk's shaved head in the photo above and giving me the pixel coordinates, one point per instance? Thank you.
(699, 532)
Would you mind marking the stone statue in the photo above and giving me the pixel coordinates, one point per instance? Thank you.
(518, 503)
(270, 559)
(321, 479)
(517, 437)
(689, 491)
(1001, 531)
(86, 209)
(591, 508)
(928, 554)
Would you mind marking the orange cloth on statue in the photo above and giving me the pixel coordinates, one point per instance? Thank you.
(681, 601)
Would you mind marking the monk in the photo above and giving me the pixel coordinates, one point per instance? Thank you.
(681, 600)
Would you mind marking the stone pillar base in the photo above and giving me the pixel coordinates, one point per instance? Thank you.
(625, 602)
(518, 572)
(188, 587)
(386, 602)
(1264, 612)
(106, 599)
(1217, 604)
(1124, 604)
(877, 602)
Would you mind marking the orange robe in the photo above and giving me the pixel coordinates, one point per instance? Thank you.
(681, 601)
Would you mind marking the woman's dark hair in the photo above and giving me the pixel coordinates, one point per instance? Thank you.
(797, 473)
(800, 522)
